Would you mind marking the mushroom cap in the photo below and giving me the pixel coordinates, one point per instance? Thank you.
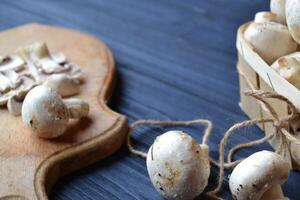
(288, 67)
(178, 167)
(251, 178)
(264, 16)
(293, 18)
(44, 112)
(278, 7)
(270, 40)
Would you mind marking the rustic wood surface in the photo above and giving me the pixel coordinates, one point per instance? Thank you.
(175, 60)
(29, 166)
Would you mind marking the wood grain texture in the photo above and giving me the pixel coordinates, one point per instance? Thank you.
(29, 166)
(175, 60)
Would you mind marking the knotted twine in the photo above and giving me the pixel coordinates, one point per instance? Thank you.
(281, 125)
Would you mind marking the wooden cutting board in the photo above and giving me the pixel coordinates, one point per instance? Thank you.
(29, 166)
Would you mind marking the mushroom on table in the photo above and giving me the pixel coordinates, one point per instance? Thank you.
(259, 177)
(178, 167)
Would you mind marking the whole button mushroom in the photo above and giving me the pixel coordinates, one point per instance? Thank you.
(288, 67)
(178, 167)
(47, 114)
(270, 40)
(293, 18)
(278, 7)
(259, 177)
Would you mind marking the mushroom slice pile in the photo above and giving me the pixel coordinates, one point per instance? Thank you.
(35, 65)
(42, 64)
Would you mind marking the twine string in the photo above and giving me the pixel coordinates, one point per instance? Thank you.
(285, 137)
(205, 137)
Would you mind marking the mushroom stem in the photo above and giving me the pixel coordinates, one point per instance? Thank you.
(77, 108)
(275, 193)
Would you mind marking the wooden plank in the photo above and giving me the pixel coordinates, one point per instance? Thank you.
(280, 108)
(248, 104)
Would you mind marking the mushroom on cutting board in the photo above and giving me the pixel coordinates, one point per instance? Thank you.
(47, 114)
(178, 167)
(270, 40)
(63, 84)
(259, 177)
(278, 7)
(11, 63)
(293, 18)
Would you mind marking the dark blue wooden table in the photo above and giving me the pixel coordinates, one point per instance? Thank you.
(176, 60)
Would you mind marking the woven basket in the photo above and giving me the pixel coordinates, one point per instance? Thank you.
(263, 77)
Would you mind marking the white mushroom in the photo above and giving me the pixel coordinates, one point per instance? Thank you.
(270, 40)
(178, 167)
(293, 18)
(14, 105)
(59, 58)
(278, 7)
(4, 83)
(259, 177)
(289, 68)
(11, 63)
(265, 17)
(63, 84)
(47, 114)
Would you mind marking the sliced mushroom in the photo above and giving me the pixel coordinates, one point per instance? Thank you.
(34, 65)
(270, 40)
(14, 78)
(14, 105)
(51, 67)
(38, 55)
(11, 63)
(59, 58)
(63, 84)
(26, 84)
(4, 83)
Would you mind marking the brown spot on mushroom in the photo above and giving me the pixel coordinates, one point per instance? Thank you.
(33, 122)
(173, 176)
(152, 152)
